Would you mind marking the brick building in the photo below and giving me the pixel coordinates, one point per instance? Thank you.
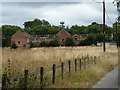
(62, 36)
(22, 39)
(76, 38)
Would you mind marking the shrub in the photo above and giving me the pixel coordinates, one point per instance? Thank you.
(88, 41)
(34, 45)
(53, 43)
(14, 46)
(69, 42)
(118, 39)
(44, 44)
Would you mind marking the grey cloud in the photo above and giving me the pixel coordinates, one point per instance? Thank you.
(72, 13)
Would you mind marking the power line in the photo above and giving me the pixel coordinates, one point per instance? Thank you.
(108, 16)
(105, 12)
(96, 1)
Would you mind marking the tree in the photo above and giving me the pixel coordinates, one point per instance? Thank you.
(69, 42)
(90, 40)
(38, 30)
(7, 32)
(30, 24)
(14, 46)
(45, 23)
(53, 29)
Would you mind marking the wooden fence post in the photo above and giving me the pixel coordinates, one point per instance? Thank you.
(62, 66)
(53, 78)
(69, 67)
(25, 78)
(84, 62)
(75, 65)
(41, 77)
(95, 59)
(4, 81)
(80, 64)
(88, 60)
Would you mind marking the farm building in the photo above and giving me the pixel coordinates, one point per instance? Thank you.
(22, 39)
(61, 36)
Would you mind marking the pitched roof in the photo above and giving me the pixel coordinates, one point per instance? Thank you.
(24, 34)
(63, 31)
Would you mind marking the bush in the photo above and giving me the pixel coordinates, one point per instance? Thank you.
(44, 44)
(53, 43)
(69, 42)
(91, 39)
(118, 39)
(34, 45)
(13, 46)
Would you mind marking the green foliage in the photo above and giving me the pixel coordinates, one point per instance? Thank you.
(44, 44)
(14, 46)
(69, 42)
(53, 43)
(94, 28)
(35, 22)
(53, 29)
(38, 30)
(34, 45)
(91, 39)
(118, 39)
(43, 27)
(77, 29)
(7, 32)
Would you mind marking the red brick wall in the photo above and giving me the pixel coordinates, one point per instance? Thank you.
(20, 37)
(62, 35)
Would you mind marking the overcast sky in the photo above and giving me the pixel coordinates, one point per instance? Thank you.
(72, 13)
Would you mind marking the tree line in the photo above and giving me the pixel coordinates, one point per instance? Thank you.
(94, 31)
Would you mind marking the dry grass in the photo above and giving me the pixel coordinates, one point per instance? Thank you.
(88, 77)
(33, 59)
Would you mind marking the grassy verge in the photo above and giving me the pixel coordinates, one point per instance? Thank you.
(88, 77)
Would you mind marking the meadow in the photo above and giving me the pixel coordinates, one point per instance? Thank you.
(33, 59)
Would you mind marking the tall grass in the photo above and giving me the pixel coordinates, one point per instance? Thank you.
(33, 59)
(88, 77)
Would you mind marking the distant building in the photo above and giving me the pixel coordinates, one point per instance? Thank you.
(61, 36)
(22, 39)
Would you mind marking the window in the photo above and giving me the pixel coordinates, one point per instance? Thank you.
(24, 45)
(63, 40)
(75, 38)
(18, 42)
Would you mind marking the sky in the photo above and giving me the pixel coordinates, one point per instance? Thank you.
(72, 13)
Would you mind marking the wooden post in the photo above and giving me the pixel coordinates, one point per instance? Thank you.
(62, 66)
(88, 60)
(53, 78)
(95, 59)
(4, 81)
(69, 67)
(41, 77)
(75, 65)
(25, 78)
(84, 63)
(80, 63)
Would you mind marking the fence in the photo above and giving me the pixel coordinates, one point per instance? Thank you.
(64, 69)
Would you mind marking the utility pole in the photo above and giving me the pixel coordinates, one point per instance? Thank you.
(104, 49)
(117, 3)
(116, 35)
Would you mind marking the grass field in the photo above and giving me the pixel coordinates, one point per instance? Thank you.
(33, 59)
